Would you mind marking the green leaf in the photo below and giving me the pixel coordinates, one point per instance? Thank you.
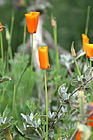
(3, 79)
(19, 131)
(32, 137)
(4, 126)
(87, 72)
(5, 113)
(82, 54)
(74, 82)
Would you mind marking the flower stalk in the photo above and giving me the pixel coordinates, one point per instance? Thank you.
(54, 25)
(86, 29)
(74, 54)
(32, 56)
(46, 106)
(24, 39)
(2, 53)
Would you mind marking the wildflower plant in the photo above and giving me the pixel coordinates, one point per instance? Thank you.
(67, 112)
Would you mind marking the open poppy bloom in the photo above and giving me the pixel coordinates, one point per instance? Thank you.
(32, 21)
(85, 40)
(89, 50)
(91, 118)
(78, 136)
(43, 57)
(1, 27)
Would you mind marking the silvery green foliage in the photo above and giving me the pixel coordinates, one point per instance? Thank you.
(4, 118)
(31, 121)
(88, 72)
(62, 91)
(66, 60)
(51, 133)
(82, 80)
(51, 115)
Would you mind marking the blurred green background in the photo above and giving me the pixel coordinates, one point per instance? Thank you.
(70, 15)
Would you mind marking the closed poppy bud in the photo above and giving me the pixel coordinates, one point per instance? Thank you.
(1, 27)
(91, 118)
(43, 57)
(32, 21)
(73, 50)
(85, 40)
(78, 136)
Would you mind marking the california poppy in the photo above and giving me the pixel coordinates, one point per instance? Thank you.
(89, 50)
(32, 21)
(91, 118)
(43, 57)
(1, 27)
(85, 40)
(78, 136)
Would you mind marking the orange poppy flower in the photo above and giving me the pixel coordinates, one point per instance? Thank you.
(78, 136)
(32, 21)
(85, 40)
(89, 50)
(43, 57)
(91, 118)
(1, 28)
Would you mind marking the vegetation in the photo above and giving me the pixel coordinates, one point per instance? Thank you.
(68, 84)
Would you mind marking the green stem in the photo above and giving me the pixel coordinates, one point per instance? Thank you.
(87, 20)
(18, 82)
(2, 53)
(91, 80)
(14, 98)
(32, 56)
(24, 39)
(77, 67)
(11, 31)
(55, 40)
(46, 107)
(86, 95)
(86, 29)
(87, 61)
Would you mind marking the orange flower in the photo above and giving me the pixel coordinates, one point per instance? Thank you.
(89, 50)
(1, 28)
(32, 21)
(85, 40)
(78, 136)
(43, 57)
(91, 118)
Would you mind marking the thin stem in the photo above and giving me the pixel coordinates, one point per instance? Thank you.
(46, 106)
(86, 29)
(55, 40)
(87, 61)
(11, 31)
(2, 53)
(77, 67)
(38, 134)
(32, 56)
(14, 98)
(74, 134)
(86, 95)
(87, 20)
(91, 80)
(24, 39)
(18, 82)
